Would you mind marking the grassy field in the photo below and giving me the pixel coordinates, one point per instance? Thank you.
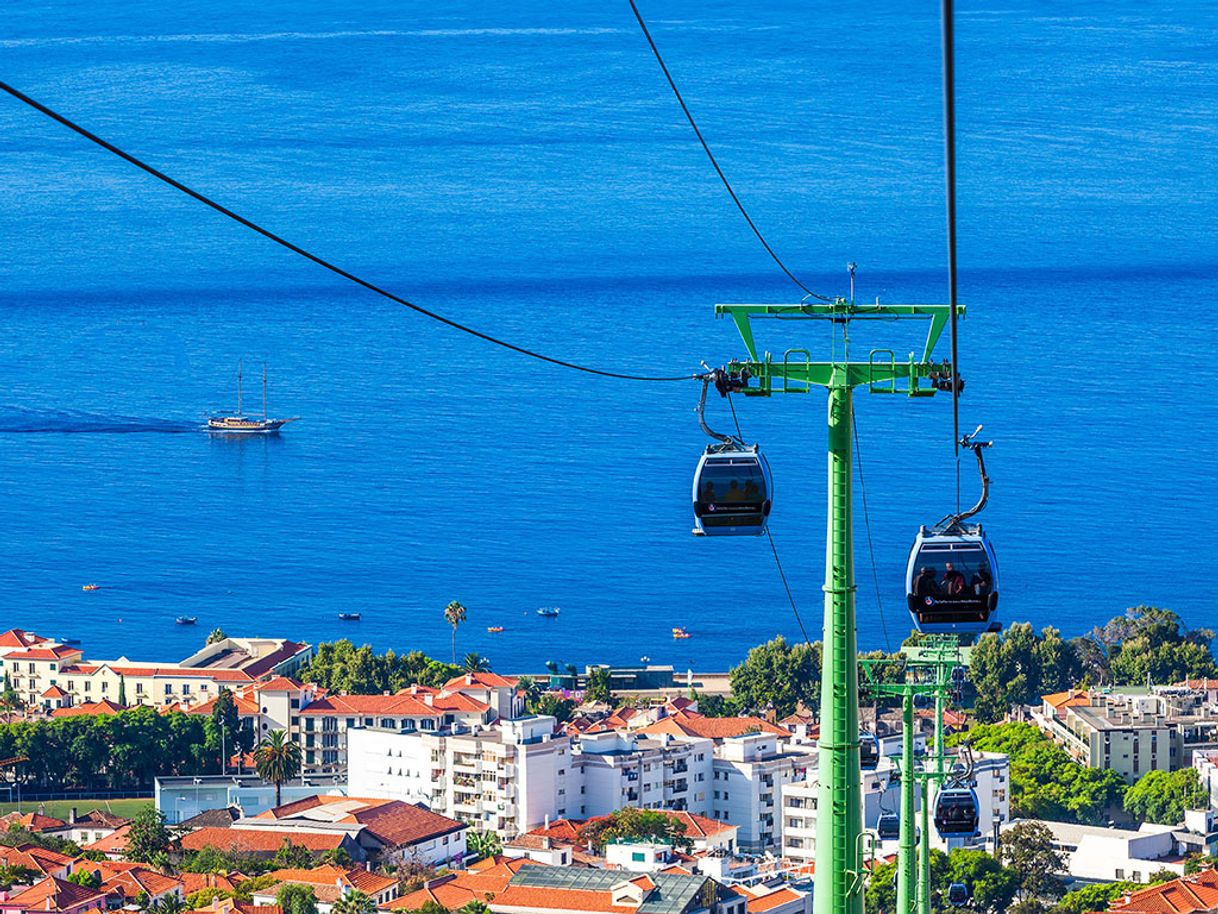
(61, 808)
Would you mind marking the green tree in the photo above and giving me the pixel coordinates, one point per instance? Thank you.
(553, 705)
(247, 887)
(204, 897)
(454, 615)
(484, 844)
(777, 676)
(277, 760)
(1163, 796)
(632, 823)
(599, 686)
(1046, 783)
(1150, 642)
(354, 902)
(717, 705)
(1017, 666)
(992, 887)
(90, 879)
(1092, 897)
(433, 907)
(293, 856)
(1027, 849)
(474, 907)
(473, 662)
(148, 837)
(293, 898)
(217, 635)
(227, 720)
(122, 690)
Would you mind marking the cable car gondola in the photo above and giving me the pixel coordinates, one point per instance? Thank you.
(951, 579)
(869, 750)
(957, 895)
(889, 826)
(732, 488)
(956, 812)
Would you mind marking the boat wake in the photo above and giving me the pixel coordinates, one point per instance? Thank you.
(17, 420)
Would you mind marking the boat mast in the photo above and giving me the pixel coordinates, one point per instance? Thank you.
(264, 391)
(239, 367)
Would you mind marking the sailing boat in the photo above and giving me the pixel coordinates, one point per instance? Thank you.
(245, 425)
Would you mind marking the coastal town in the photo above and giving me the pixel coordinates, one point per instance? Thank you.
(263, 775)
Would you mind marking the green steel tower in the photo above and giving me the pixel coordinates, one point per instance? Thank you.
(840, 873)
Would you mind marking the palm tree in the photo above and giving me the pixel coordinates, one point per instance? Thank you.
(484, 844)
(454, 615)
(277, 760)
(355, 902)
(474, 662)
(474, 907)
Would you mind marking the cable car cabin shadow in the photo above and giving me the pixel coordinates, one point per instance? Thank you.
(957, 813)
(951, 581)
(732, 491)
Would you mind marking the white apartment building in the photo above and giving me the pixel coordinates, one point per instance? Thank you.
(35, 666)
(619, 768)
(748, 776)
(881, 790)
(1098, 854)
(506, 778)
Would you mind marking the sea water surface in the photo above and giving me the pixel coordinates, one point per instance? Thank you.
(523, 168)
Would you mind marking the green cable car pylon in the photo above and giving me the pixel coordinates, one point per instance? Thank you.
(840, 873)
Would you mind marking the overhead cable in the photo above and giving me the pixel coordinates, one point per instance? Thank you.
(710, 155)
(321, 262)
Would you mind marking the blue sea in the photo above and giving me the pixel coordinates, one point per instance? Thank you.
(524, 168)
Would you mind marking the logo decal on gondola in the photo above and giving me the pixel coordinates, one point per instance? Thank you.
(930, 601)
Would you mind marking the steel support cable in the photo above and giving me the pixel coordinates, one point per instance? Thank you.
(715, 162)
(949, 144)
(774, 549)
(339, 271)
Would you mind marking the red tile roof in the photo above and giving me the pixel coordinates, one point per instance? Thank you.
(406, 703)
(16, 637)
(113, 843)
(685, 723)
(263, 665)
(52, 894)
(193, 882)
(280, 684)
(392, 822)
(33, 821)
(131, 881)
(487, 877)
(758, 904)
(44, 653)
(260, 841)
(89, 708)
(1187, 895)
(480, 680)
(1068, 699)
(35, 858)
(54, 692)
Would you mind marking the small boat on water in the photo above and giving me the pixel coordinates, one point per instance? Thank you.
(241, 424)
(186, 620)
(69, 641)
(494, 629)
(550, 612)
(91, 587)
(680, 633)
(349, 617)
(644, 659)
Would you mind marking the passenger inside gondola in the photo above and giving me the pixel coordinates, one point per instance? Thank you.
(953, 581)
(925, 584)
(982, 582)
